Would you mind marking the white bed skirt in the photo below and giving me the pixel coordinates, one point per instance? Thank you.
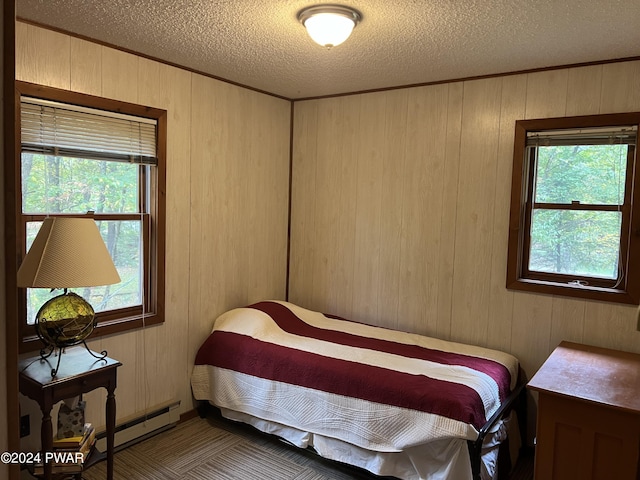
(438, 460)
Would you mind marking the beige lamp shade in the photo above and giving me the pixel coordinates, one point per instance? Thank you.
(68, 252)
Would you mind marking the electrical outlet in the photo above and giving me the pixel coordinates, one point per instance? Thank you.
(25, 426)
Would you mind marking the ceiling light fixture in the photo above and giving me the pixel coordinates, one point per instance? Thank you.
(329, 25)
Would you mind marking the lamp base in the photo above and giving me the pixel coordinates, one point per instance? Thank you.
(44, 355)
(65, 320)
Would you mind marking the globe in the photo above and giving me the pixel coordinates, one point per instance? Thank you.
(65, 320)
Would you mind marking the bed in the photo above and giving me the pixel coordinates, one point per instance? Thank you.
(394, 403)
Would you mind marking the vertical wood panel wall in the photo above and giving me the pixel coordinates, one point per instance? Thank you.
(227, 201)
(400, 209)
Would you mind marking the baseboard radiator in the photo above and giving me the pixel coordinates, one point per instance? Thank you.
(142, 427)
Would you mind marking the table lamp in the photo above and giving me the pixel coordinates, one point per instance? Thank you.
(68, 252)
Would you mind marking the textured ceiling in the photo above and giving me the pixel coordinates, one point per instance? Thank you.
(259, 43)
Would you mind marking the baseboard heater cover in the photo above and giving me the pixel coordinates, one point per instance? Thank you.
(140, 428)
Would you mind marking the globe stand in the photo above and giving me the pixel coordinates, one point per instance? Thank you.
(63, 321)
(45, 356)
(54, 371)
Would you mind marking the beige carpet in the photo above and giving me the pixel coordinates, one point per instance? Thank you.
(215, 449)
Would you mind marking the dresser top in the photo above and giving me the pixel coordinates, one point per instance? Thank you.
(592, 374)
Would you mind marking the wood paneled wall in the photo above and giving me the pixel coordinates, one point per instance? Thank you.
(227, 203)
(400, 209)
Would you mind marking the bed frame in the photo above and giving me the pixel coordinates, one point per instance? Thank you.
(515, 401)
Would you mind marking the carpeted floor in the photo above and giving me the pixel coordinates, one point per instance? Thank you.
(215, 449)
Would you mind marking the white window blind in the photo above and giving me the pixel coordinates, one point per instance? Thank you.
(586, 136)
(66, 130)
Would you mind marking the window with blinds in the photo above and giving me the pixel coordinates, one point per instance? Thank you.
(84, 155)
(573, 197)
(72, 131)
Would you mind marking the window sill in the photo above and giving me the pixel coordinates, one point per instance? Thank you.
(106, 327)
(571, 290)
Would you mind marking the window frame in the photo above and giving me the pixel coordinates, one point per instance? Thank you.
(523, 176)
(153, 218)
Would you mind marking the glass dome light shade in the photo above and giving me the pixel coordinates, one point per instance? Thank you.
(329, 29)
(329, 25)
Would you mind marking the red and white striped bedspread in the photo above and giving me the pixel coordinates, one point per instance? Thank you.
(372, 387)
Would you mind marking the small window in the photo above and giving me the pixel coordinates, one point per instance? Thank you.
(82, 154)
(574, 205)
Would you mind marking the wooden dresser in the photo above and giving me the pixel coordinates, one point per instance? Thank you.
(588, 414)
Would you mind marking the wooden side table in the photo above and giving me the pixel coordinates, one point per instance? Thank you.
(79, 373)
(588, 414)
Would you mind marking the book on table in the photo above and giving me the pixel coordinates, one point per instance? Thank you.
(84, 447)
(69, 453)
(75, 443)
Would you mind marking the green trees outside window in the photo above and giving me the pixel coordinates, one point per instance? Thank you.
(63, 185)
(582, 242)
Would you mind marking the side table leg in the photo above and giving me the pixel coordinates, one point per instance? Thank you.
(46, 440)
(111, 427)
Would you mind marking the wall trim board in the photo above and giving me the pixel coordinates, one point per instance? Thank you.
(289, 199)
(186, 416)
(477, 77)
